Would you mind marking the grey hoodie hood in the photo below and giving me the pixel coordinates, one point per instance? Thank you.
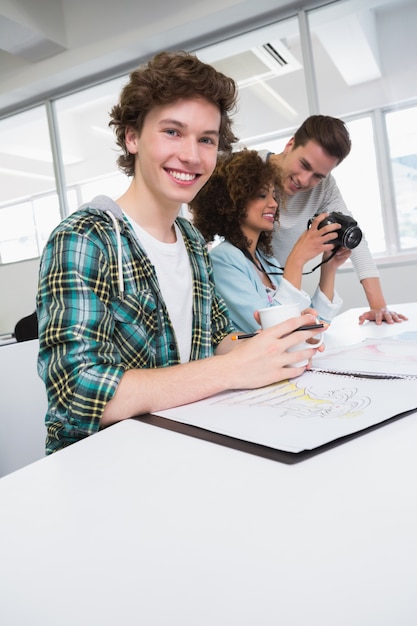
(115, 213)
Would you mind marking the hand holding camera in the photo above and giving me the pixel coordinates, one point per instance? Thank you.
(348, 236)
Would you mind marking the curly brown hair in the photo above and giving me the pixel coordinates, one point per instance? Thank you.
(167, 77)
(220, 206)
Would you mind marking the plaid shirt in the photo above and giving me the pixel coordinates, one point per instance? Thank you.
(89, 335)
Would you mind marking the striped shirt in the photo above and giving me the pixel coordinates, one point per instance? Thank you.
(324, 197)
(90, 333)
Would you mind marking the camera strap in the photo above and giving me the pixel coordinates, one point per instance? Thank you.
(322, 262)
(260, 267)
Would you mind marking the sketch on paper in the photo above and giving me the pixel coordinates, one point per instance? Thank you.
(293, 399)
(301, 413)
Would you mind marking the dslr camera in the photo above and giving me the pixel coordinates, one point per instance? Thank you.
(349, 236)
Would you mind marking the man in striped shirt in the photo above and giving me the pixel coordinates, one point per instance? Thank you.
(317, 147)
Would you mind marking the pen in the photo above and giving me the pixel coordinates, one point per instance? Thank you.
(310, 327)
(249, 335)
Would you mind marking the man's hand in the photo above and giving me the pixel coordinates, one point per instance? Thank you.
(381, 315)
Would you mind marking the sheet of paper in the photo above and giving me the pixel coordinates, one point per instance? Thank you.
(302, 413)
(393, 356)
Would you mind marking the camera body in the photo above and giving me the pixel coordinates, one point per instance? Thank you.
(349, 236)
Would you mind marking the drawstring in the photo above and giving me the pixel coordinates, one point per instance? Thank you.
(119, 255)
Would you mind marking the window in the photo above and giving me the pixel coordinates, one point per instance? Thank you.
(361, 59)
(357, 179)
(29, 206)
(357, 52)
(402, 137)
(89, 150)
(346, 58)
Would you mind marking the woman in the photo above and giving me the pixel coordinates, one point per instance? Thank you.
(240, 205)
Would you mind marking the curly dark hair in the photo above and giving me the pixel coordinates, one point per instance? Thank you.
(167, 77)
(219, 208)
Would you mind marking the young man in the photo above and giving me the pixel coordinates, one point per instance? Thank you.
(129, 320)
(317, 147)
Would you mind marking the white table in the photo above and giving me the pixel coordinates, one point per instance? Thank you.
(141, 525)
(23, 404)
(345, 328)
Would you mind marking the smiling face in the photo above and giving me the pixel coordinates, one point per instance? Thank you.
(305, 166)
(260, 214)
(176, 151)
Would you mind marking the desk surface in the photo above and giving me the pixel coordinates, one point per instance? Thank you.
(7, 339)
(140, 525)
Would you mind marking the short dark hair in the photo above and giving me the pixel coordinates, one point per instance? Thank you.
(220, 206)
(167, 77)
(329, 132)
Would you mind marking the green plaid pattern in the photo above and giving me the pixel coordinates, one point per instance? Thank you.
(89, 336)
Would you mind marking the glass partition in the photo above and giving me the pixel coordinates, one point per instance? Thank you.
(357, 179)
(362, 53)
(351, 59)
(402, 138)
(88, 146)
(29, 203)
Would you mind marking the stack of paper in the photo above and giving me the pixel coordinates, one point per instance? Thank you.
(393, 357)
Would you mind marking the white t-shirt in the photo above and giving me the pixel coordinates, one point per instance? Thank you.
(173, 271)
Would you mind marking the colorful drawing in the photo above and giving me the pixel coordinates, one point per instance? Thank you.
(295, 400)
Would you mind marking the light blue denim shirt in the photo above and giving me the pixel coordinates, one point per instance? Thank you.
(241, 287)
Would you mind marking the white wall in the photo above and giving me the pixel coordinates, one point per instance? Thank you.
(18, 285)
(23, 407)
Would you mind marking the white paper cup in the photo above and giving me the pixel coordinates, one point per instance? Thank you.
(275, 315)
(272, 315)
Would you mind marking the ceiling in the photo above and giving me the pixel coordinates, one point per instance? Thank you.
(47, 44)
(53, 47)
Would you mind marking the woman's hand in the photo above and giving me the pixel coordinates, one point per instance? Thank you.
(314, 241)
(341, 255)
(309, 245)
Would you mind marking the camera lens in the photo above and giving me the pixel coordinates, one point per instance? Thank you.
(351, 237)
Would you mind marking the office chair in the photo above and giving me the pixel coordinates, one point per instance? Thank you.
(27, 328)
